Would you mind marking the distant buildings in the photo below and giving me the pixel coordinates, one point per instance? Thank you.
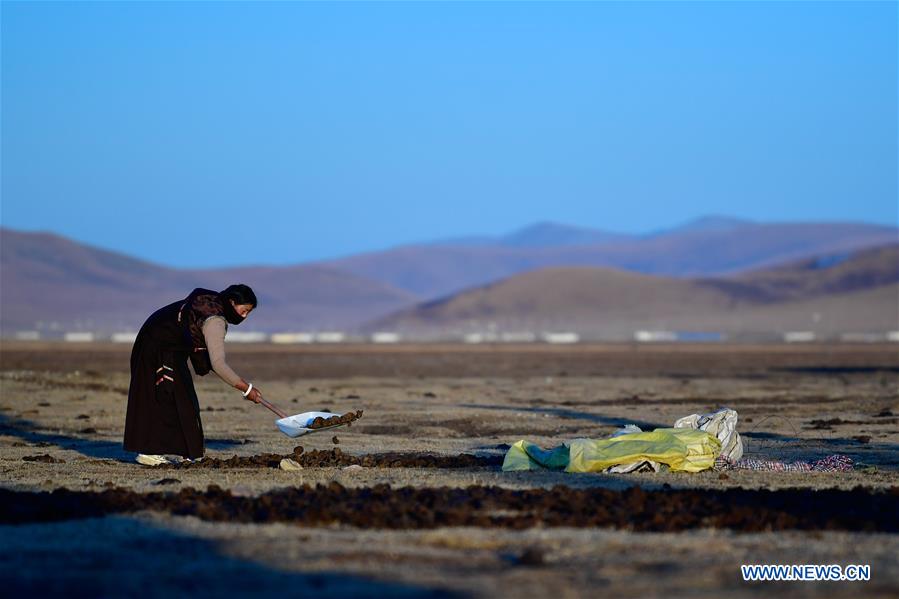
(654, 336)
(330, 337)
(245, 336)
(78, 337)
(492, 336)
(385, 337)
(290, 338)
(798, 337)
(123, 337)
(560, 338)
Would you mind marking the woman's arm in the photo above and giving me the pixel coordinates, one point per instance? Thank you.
(214, 333)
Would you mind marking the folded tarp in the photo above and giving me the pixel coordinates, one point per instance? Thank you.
(682, 449)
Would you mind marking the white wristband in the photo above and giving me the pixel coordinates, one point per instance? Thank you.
(247, 392)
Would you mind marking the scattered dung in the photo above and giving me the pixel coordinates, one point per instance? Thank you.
(47, 458)
(331, 458)
(347, 418)
(382, 507)
(825, 424)
(335, 440)
(264, 460)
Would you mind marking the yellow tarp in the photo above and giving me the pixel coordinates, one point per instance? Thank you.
(682, 449)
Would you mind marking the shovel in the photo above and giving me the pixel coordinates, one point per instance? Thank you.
(298, 424)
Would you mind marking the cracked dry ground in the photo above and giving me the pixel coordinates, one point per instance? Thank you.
(412, 501)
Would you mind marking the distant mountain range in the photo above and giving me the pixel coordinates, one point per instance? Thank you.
(705, 247)
(857, 292)
(48, 282)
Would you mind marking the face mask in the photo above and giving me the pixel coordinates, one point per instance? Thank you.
(231, 314)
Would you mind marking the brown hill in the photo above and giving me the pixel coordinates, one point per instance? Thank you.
(858, 292)
(52, 283)
(49, 282)
(831, 274)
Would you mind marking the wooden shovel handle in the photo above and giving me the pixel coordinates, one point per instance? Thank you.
(273, 408)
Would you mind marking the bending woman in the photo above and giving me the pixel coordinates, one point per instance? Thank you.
(163, 410)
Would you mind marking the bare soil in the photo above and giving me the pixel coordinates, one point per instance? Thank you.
(413, 502)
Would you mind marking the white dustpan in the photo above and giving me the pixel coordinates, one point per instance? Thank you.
(298, 424)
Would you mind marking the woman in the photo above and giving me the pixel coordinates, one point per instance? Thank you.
(163, 411)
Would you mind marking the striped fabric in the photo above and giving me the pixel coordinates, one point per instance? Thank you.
(165, 370)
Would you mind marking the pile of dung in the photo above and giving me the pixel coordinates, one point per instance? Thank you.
(860, 509)
(330, 458)
(347, 419)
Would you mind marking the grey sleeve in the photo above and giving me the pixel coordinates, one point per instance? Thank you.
(214, 331)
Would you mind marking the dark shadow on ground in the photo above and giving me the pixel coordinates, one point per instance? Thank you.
(31, 432)
(223, 443)
(835, 370)
(571, 414)
(133, 557)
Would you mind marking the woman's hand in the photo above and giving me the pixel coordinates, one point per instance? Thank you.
(255, 395)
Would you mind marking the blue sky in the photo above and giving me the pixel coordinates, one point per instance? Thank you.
(207, 134)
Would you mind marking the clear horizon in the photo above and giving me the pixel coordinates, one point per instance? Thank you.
(283, 133)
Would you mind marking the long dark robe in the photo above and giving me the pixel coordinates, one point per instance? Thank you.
(163, 411)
